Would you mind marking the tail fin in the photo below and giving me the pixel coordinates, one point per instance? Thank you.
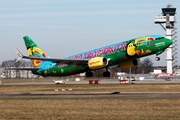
(34, 51)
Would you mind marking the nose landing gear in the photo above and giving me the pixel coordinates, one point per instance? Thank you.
(157, 58)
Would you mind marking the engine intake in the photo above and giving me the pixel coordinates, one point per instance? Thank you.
(128, 64)
(97, 62)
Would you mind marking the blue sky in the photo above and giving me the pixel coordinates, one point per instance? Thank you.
(67, 27)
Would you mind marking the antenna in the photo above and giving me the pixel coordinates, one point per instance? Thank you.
(169, 5)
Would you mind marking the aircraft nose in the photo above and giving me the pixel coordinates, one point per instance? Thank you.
(169, 42)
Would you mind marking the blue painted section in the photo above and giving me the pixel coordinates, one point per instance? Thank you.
(106, 49)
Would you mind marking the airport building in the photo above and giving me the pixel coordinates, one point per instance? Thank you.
(16, 73)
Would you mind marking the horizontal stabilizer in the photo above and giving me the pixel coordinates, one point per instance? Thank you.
(18, 52)
(20, 55)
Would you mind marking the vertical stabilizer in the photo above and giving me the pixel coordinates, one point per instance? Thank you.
(34, 51)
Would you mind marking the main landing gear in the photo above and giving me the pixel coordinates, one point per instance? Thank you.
(89, 74)
(106, 73)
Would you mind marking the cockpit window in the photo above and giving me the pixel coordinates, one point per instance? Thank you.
(159, 38)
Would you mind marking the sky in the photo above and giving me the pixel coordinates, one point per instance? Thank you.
(66, 27)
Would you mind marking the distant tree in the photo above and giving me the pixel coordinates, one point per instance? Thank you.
(13, 63)
(147, 65)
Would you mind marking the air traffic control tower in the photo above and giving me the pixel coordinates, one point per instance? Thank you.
(167, 20)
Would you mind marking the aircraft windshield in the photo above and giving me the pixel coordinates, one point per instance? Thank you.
(159, 38)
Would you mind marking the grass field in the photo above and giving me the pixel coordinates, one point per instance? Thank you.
(90, 109)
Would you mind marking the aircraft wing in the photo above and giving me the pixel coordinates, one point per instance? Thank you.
(59, 61)
(54, 60)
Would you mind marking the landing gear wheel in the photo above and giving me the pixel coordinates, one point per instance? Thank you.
(157, 58)
(89, 74)
(106, 74)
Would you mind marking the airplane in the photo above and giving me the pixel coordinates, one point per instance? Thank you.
(167, 76)
(122, 54)
(164, 75)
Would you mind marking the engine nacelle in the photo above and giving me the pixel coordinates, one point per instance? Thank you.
(128, 64)
(97, 62)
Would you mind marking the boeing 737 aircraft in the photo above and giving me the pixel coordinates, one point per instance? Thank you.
(123, 55)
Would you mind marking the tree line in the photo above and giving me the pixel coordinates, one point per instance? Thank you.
(13, 63)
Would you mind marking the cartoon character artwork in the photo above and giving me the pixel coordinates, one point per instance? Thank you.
(139, 47)
(131, 49)
(36, 52)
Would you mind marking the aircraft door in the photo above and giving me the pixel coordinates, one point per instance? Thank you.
(148, 43)
(47, 69)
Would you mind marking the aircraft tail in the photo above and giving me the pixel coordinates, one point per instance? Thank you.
(34, 51)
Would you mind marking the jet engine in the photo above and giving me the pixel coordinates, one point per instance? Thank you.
(97, 62)
(128, 64)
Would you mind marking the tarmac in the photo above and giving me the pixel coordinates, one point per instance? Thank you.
(93, 96)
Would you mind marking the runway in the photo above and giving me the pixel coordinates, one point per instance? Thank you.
(92, 96)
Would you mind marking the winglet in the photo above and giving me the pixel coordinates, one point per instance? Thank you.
(19, 54)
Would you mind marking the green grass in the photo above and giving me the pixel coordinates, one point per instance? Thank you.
(90, 109)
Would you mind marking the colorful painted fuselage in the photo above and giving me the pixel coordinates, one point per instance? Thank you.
(115, 53)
